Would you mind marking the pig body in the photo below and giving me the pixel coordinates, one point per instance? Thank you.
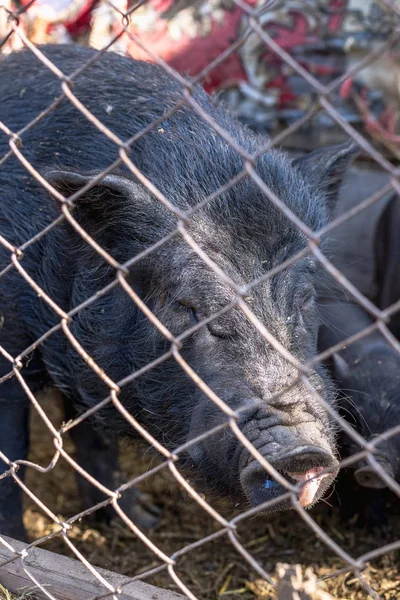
(368, 374)
(240, 230)
(387, 269)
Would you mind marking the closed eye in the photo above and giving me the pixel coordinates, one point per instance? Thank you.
(194, 317)
(213, 327)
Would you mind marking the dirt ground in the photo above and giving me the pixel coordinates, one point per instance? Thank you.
(215, 569)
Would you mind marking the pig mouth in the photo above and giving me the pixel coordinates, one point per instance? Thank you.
(311, 469)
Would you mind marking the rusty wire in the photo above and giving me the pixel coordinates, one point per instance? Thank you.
(171, 458)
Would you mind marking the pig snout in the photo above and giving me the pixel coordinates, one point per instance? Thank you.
(368, 477)
(310, 467)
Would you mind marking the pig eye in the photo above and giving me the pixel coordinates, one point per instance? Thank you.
(189, 309)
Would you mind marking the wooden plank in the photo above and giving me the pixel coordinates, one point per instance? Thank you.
(68, 579)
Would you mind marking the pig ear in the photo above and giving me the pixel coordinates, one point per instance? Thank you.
(110, 207)
(70, 182)
(325, 168)
(341, 367)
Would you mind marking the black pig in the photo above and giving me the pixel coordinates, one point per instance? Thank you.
(241, 231)
(368, 375)
(387, 264)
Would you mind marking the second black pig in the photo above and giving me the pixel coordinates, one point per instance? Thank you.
(368, 374)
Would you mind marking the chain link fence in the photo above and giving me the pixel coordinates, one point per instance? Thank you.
(256, 15)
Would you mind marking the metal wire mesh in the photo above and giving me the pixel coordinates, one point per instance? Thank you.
(171, 459)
